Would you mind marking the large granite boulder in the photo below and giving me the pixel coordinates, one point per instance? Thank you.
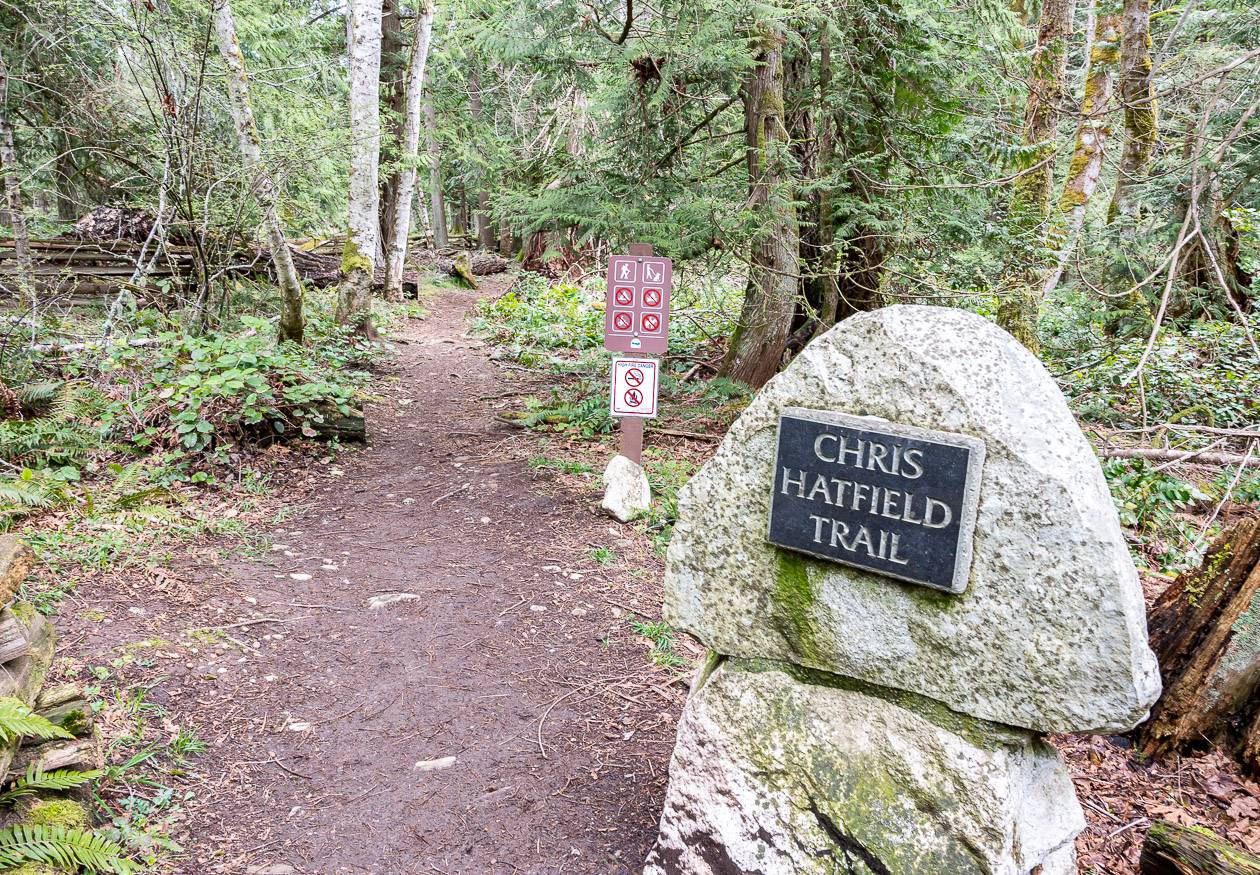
(1050, 632)
(779, 770)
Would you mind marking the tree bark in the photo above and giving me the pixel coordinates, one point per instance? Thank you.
(1031, 197)
(1201, 629)
(1140, 109)
(481, 218)
(13, 198)
(1170, 849)
(1091, 139)
(396, 248)
(765, 322)
(437, 201)
(393, 75)
(358, 263)
(291, 317)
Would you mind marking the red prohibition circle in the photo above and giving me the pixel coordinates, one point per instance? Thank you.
(622, 321)
(624, 296)
(652, 297)
(634, 377)
(651, 322)
(633, 397)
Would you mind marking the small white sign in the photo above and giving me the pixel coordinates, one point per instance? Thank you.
(634, 387)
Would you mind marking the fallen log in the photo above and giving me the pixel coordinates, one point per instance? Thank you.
(461, 270)
(1200, 456)
(66, 706)
(479, 264)
(1203, 631)
(16, 562)
(343, 427)
(13, 633)
(1170, 849)
(77, 753)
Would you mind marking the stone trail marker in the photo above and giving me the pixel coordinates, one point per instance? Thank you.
(873, 705)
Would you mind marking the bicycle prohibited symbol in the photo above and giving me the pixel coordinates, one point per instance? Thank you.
(624, 296)
(651, 323)
(622, 321)
(651, 297)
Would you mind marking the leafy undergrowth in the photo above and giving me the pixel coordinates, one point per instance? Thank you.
(129, 458)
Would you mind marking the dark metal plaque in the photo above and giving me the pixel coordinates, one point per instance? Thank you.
(890, 498)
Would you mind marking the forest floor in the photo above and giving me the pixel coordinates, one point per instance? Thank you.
(426, 671)
(434, 654)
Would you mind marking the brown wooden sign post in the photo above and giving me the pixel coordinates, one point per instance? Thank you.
(636, 320)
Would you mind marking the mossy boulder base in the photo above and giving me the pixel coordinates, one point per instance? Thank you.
(824, 778)
(1050, 631)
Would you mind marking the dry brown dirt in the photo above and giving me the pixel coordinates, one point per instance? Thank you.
(427, 672)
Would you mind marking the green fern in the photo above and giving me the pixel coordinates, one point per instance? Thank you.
(71, 849)
(36, 780)
(35, 396)
(24, 493)
(18, 720)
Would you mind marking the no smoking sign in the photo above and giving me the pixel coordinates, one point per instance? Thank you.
(634, 387)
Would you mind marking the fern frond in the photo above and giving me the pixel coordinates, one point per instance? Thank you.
(23, 493)
(35, 396)
(17, 720)
(71, 849)
(36, 780)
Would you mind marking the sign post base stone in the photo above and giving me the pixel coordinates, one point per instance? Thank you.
(626, 492)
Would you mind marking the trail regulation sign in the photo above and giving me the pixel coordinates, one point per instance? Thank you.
(636, 311)
(634, 387)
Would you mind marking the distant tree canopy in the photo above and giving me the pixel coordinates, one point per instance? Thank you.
(839, 155)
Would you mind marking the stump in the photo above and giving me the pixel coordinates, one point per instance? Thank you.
(1205, 630)
(1170, 849)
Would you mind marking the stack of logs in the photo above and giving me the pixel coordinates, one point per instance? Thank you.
(27, 641)
(83, 272)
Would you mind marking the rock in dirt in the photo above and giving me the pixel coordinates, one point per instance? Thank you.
(774, 775)
(1050, 633)
(626, 492)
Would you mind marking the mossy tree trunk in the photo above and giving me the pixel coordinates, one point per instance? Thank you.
(358, 265)
(1034, 188)
(1092, 133)
(13, 196)
(765, 320)
(291, 318)
(1205, 630)
(481, 218)
(1170, 849)
(400, 227)
(393, 76)
(1137, 94)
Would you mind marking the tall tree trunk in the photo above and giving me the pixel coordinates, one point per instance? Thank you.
(481, 219)
(396, 247)
(1091, 139)
(290, 327)
(63, 177)
(394, 54)
(1140, 110)
(437, 201)
(13, 197)
(1033, 189)
(765, 322)
(358, 262)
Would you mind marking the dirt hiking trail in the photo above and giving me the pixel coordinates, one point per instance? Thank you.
(425, 673)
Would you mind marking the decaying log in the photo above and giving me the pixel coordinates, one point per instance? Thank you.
(66, 706)
(77, 753)
(23, 677)
(480, 264)
(1170, 849)
(340, 426)
(16, 561)
(13, 641)
(1206, 634)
